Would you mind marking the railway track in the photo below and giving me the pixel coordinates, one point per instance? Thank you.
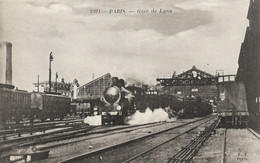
(107, 132)
(105, 153)
(35, 127)
(189, 151)
(65, 134)
(11, 143)
(253, 132)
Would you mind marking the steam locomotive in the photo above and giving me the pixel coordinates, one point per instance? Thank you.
(119, 102)
(192, 107)
(17, 104)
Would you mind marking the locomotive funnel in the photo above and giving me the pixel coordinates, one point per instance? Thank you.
(112, 95)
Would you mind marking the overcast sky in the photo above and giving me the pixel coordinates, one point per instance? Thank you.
(205, 33)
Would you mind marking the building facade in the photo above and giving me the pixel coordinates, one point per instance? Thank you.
(59, 87)
(249, 59)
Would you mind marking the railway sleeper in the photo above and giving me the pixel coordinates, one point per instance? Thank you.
(186, 157)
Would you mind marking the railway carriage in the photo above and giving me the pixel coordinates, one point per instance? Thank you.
(14, 104)
(17, 104)
(50, 106)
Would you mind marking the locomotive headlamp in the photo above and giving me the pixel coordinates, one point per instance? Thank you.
(118, 107)
(34, 149)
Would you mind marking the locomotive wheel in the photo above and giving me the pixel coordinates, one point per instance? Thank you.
(31, 120)
(3, 121)
(61, 118)
(103, 122)
(43, 119)
(17, 120)
(114, 122)
(118, 121)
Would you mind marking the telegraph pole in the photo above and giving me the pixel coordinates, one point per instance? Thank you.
(51, 59)
(56, 88)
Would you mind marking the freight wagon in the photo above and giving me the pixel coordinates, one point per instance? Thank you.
(14, 104)
(232, 105)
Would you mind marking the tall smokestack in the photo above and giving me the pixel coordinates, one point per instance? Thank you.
(9, 63)
(6, 63)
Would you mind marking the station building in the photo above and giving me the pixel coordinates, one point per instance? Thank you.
(191, 83)
(95, 88)
(249, 59)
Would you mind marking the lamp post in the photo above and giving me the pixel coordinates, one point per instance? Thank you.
(56, 86)
(51, 59)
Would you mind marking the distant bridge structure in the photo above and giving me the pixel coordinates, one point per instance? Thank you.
(193, 76)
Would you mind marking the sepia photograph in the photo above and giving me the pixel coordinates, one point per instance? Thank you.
(130, 81)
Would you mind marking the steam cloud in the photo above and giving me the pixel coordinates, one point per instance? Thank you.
(150, 116)
(93, 120)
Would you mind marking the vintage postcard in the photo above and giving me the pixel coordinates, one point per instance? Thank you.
(129, 81)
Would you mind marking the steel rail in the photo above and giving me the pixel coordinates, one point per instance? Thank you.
(253, 132)
(224, 147)
(39, 127)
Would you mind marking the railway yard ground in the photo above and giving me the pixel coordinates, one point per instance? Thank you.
(195, 140)
(230, 145)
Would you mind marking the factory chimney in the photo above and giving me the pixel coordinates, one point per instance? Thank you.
(6, 63)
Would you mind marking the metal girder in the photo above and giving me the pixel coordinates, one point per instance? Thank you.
(187, 81)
